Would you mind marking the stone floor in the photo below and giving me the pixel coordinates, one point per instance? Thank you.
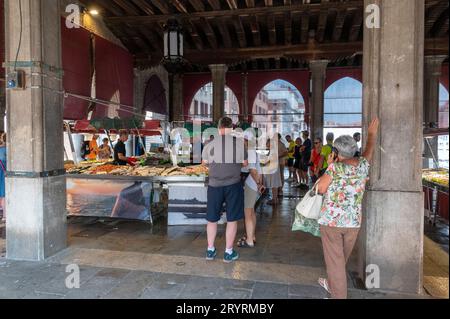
(122, 259)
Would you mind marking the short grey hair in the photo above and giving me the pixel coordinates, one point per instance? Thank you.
(346, 146)
(330, 137)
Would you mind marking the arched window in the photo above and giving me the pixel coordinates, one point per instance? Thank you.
(343, 107)
(279, 108)
(443, 142)
(202, 104)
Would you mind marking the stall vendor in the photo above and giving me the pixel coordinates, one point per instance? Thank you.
(93, 148)
(104, 151)
(120, 152)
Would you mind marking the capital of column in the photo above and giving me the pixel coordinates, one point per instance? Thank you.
(318, 67)
(433, 65)
(217, 69)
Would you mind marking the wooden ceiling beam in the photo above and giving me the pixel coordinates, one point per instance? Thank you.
(320, 32)
(339, 25)
(162, 6)
(272, 31)
(301, 52)
(248, 12)
(127, 7)
(144, 6)
(215, 4)
(441, 25)
(232, 4)
(198, 5)
(256, 34)
(179, 5)
(304, 28)
(287, 28)
(356, 26)
(191, 28)
(223, 29)
(209, 33)
(237, 22)
(250, 3)
(269, 3)
(433, 14)
(151, 37)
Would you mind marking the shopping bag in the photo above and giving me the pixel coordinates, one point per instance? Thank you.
(311, 205)
(306, 225)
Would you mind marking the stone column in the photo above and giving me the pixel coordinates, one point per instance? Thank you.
(318, 74)
(178, 105)
(392, 233)
(433, 72)
(218, 72)
(36, 184)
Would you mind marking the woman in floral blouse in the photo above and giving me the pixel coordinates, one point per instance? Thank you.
(343, 184)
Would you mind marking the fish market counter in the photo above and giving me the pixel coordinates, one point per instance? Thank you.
(182, 199)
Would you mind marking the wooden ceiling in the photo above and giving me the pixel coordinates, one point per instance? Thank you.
(255, 34)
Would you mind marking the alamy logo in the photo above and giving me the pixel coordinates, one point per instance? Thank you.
(373, 277)
(373, 16)
(73, 279)
(73, 20)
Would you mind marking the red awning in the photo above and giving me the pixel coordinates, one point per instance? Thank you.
(150, 128)
(77, 70)
(114, 78)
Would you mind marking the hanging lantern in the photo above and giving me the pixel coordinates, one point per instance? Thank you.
(173, 42)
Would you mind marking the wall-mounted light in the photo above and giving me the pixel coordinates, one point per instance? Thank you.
(93, 12)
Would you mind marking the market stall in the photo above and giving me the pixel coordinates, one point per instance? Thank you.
(436, 192)
(151, 189)
(435, 181)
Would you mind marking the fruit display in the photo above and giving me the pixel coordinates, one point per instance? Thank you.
(439, 177)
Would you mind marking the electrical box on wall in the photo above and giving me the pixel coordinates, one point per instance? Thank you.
(16, 80)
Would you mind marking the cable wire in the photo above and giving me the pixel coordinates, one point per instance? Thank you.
(20, 35)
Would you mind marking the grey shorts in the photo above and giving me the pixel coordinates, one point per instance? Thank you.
(251, 197)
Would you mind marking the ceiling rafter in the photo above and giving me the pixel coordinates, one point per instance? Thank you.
(250, 3)
(256, 34)
(162, 6)
(432, 14)
(198, 5)
(127, 7)
(179, 5)
(232, 4)
(192, 29)
(320, 33)
(251, 11)
(209, 33)
(271, 29)
(288, 28)
(144, 6)
(223, 29)
(356, 26)
(339, 24)
(240, 31)
(304, 28)
(215, 4)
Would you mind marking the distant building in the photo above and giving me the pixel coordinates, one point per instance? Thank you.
(202, 104)
(280, 108)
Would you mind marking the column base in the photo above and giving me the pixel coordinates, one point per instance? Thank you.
(393, 231)
(35, 217)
